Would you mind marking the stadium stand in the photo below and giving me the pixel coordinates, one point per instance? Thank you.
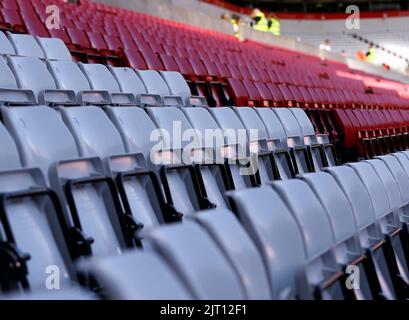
(95, 165)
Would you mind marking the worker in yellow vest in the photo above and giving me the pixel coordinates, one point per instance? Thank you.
(260, 21)
(370, 54)
(234, 20)
(274, 24)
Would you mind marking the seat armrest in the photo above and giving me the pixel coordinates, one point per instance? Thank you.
(322, 139)
(196, 101)
(95, 97)
(17, 97)
(125, 162)
(275, 145)
(174, 101)
(121, 98)
(146, 99)
(56, 97)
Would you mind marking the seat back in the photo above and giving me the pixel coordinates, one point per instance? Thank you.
(26, 45)
(128, 80)
(177, 84)
(240, 250)
(99, 77)
(290, 124)
(54, 49)
(309, 214)
(360, 201)
(274, 231)
(207, 273)
(153, 82)
(136, 275)
(377, 192)
(340, 213)
(391, 185)
(68, 76)
(30, 127)
(94, 134)
(28, 70)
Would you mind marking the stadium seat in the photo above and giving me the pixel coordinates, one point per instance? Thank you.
(343, 224)
(237, 246)
(54, 49)
(178, 87)
(128, 81)
(101, 79)
(272, 230)
(277, 142)
(300, 154)
(142, 276)
(371, 239)
(315, 227)
(155, 84)
(27, 71)
(177, 241)
(257, 139)
(82, 183)
(26, 45)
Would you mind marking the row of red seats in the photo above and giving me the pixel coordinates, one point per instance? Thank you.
(373, 132)
(260, 93)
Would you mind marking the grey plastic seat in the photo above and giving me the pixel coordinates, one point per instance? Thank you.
(101, 79)
(384, 213)
(136, 275)
(29, 70)
(97, 136)
(26, 45)
(206, 272)
(392, 187)
(135, 127)
(155, 84)
(180, 181)
(401, 178)
(32, 222)
(179, 87)
(235, 135)
(6, 48)
(369, 229)
(348, 250)
(257, 136)
(54, 49)
(321, 150)
(295, 140)
(140, 134)
(319, 239)
(57, 156)
(276, 234)
(68, 76)
(210, 138)
(237, 246)
(129, 81)
(277, 142)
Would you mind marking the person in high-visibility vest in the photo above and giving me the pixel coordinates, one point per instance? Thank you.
(370, 54)
(234, 20)
(274, 24)
(260, 21)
